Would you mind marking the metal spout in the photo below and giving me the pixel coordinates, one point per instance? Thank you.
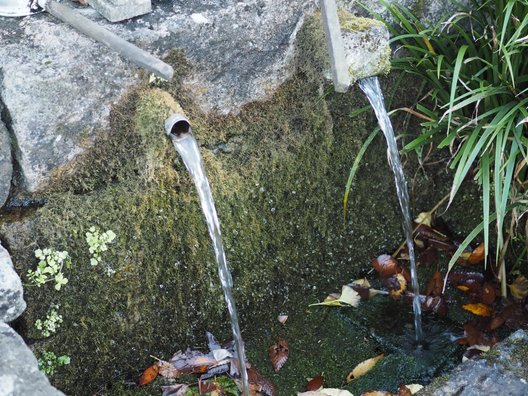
(177, 125)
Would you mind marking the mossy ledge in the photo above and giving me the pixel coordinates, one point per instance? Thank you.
(277, 171)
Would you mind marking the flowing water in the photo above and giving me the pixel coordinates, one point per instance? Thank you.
(186, 145)
(371, 88)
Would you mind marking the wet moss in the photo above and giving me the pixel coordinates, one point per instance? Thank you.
(277, 171)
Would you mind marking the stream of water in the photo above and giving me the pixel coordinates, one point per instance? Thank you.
(371, 88)
(186, 145)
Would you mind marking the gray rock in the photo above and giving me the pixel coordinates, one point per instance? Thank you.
(12, 303)
(19, 373)
(502, 371)
(119, 10)
(6, 164)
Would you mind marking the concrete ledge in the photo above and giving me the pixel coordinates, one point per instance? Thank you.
(118, 10)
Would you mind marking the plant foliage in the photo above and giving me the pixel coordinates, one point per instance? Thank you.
(476, 76)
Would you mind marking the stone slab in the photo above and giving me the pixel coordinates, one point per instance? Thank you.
(12, 302)
(119, 10)
(19, 373)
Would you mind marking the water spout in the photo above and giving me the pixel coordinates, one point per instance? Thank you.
(178, 128)
(372, 89)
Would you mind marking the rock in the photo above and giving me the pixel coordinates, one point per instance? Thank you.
(19, 373)
(118, 10)
(6, 164)
(502, 371)
(12, 303)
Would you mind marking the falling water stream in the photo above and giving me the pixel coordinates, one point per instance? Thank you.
(186, 145)
(371, 88)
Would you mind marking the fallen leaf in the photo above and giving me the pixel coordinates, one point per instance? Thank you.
(348, 297)
(474, 350)
(435, 285)
(404, 391)
(167, 370)
(519, 287)
(278, 354)
(396, 285)
(436, 304)
(414, 388)
(149, 374)
(386, 265)
(376, 393)
(478, 309)
(514, 315)
(471, 279)
(424, 218)
(175, 390)
(488, 294)
(282, 319)
(477, 255)
(474, 336)
(363, 368)
(259, 383)
(428, 256)
(315, 383)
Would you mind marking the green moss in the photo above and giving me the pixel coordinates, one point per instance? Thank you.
(351, 23)
(277, 171)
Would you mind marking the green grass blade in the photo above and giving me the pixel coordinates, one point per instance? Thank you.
(355, 167)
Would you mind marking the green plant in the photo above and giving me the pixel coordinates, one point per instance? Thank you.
(97, 243)
(49, 362)
(50, 325)
(50, 268)
(476, 78)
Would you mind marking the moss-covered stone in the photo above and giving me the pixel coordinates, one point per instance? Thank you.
(277, 172)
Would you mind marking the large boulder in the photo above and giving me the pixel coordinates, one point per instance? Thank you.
(12, 303)
(19, 372)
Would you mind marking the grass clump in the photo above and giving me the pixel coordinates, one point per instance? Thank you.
(475, 78)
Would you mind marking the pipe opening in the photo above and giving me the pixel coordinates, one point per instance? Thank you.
(180, 127)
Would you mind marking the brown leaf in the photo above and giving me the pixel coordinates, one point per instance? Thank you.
(431, 237)
(514, 315)
(396, 285)
(315, 383)
(363, 368)
(470, 279)
(260, 384)
(149, 374)
(167, 370)
(404, 391)
(435, 285)
(474, 336)
(363, 291)
(278, 354)
(386, 265)
(488, 294)
(477, 255)
(436, 304)
(175, 390)
(519, 288)
(428, 256)
(478, 309)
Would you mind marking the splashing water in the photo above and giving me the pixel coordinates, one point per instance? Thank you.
(371, 88)
(186, 145)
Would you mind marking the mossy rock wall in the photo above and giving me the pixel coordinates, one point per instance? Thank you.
(277, 172)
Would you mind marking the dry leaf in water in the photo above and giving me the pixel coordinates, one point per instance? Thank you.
(397, 284)
(149, 374)
(175, 390)
(348, 298)
(315, 383)
(278, 354)
(519, 288)
(363, 368)
(478, 309)
(488, 294)
(477, 255)
(435, 285)
(386, 265)
(258, 383)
